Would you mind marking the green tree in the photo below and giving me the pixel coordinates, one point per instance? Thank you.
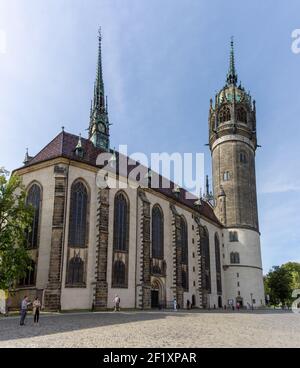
(294, 269)
(15, 222)
(278, 284)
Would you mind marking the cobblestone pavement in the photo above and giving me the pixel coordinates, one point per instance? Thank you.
(155, 329)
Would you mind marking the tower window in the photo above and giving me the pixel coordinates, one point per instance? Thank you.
(234, 257)
(224, 114)
(243, 158)
(242, 115)
(233, 236)
(226, 176)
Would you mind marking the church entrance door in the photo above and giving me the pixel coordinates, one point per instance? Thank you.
(154, 299)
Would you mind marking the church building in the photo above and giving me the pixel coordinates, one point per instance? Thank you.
(148, 245)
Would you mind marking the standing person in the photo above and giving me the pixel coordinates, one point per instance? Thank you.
(24, 305)
(36, 310)
(188, 304)
(238, 306)
(175, 304)
(117, 303)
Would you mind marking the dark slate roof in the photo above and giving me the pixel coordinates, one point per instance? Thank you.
(63, 145)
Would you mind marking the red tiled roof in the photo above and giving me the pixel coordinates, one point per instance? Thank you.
(63, 145)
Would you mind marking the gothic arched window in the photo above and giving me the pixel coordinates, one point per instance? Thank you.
(184, 241)
(75, 271)
(157, 233)
(29, 278)
(78, 216)
(218, 263)
(34, 199)
(204, 239)
(184, 280)
(224, 114)
(121, 222)
(119, 274)
(242, 115)
(234, 257)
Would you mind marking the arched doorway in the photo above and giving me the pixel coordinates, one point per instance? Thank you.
(220, 304)
(157, 294)
(193, 301)
(240, 301)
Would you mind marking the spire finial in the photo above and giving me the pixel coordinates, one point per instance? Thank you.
(231, 75)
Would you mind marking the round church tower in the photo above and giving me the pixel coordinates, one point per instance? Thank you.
(233, 143)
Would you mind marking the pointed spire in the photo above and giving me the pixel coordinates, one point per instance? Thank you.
(231, 75)
(99, 122)
(99, 84)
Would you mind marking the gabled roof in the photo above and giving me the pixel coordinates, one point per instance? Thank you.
(63, 145)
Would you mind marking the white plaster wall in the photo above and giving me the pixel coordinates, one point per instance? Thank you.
(249, 269)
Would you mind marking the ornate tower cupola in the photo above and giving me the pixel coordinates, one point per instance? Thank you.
(233, 111)
(99, 123)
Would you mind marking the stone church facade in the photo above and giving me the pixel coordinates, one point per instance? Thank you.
(146, 244)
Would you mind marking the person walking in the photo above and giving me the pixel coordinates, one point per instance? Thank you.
(24, 305)
(117, 303)
(175, 304)
(36, 310)
(188, 303)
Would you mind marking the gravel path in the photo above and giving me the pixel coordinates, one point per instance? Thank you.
(155, 329)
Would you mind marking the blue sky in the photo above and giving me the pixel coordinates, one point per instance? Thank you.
(163, 60)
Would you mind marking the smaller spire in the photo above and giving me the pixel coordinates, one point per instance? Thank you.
(207, 186)
(232, 77)
(27, 157)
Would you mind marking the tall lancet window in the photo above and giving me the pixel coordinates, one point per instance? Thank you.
(184, 253)
(121, 223)
(184, 242)
(157, 233)
(34, 199)
(78, 216)
(204, 239)
(218, 264)
(76, 271)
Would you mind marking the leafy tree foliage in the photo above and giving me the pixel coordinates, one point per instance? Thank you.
(281, 281)
(15, 222)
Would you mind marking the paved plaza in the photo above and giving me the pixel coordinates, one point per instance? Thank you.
(155, 329)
